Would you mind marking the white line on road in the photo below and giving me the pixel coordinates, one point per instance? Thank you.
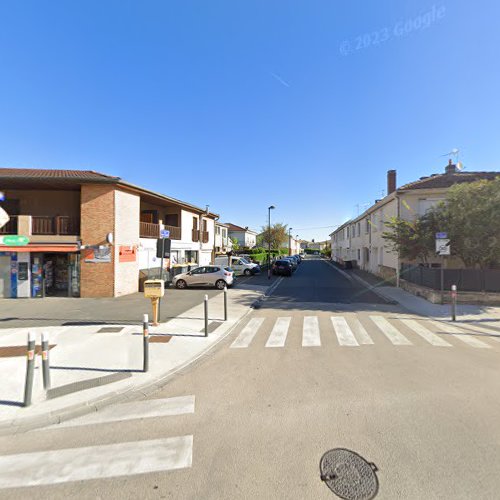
(310, 332)
(390, 331)
(248, 333)
(134, 410)
(95, 462)
(279, 333)
(360, 332)
(426, 334)
(459, 334)
(343, 332)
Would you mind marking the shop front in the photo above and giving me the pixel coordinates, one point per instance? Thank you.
(40, 271)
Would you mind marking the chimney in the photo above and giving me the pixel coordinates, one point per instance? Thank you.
(451, 168)
(391, 181)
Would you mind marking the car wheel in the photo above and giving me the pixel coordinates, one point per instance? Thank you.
(247, 272)
(181, 284)
(220, 284)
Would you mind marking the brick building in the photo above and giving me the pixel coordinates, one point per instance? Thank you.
(83, 233)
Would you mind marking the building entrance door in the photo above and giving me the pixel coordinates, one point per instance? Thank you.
(5, 291)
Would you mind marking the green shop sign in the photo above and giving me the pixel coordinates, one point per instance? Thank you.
(14, 240)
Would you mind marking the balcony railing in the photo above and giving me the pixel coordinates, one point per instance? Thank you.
(195, 235)
(149, 230)
(175, 232)
(204, 237)
(10, 227)
(59, 225)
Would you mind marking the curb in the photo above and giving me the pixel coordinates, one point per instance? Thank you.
(25, 424)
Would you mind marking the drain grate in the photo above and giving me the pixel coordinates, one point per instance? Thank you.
(160, 339)
(14, 351)
(349, 475)
(110, 329)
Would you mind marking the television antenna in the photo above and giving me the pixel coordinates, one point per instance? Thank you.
(455, 153)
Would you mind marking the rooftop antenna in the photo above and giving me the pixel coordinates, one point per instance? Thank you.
(455, 153)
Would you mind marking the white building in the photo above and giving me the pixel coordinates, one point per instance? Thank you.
(246, 237)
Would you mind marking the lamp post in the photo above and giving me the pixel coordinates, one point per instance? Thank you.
(272, 207)
(290, 241)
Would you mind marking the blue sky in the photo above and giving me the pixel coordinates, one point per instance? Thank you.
(243, 104)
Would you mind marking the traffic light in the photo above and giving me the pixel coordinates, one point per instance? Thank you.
(163, 247)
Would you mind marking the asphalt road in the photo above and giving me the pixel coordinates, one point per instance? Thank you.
(287, 385)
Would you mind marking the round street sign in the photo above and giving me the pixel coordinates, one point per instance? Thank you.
(14, 240)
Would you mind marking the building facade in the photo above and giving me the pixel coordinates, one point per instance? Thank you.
(82, 233)
(246, 237)
(359, 242)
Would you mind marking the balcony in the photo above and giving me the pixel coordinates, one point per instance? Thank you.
(61, 225)
(149, 230)
(204, 237)
(10, 227)
(195, 235)
(175, 232)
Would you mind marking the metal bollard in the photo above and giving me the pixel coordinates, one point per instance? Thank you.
(145, 343)
(45, 361)
(453, 302)
(225, 303)
(206, 315)
(30, 369)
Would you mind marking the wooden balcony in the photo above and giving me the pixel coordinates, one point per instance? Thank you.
(175, 232)
(10, 227)
(195, 235)
(204, 237)
(62, 225)
(149, 230)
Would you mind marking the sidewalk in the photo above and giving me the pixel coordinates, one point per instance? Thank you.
(94, 365)
(486, 316)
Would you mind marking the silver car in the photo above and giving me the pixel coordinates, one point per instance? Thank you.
(217, 276)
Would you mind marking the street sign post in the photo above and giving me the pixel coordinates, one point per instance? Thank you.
(441, 236)
(443, 247)
(14, 240)
(165, 233)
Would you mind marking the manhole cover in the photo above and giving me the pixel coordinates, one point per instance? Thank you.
(349, 475)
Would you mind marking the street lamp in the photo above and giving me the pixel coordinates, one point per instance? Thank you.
(290, 241)
(272, 207)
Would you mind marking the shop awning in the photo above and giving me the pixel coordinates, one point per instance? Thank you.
(61, 248)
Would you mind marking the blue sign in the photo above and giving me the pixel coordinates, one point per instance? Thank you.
(441, 236)
(165, 233)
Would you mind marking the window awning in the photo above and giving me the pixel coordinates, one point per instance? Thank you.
(60, 248)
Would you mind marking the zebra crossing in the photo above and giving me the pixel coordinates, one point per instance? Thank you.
(109, 460)
(350, 331)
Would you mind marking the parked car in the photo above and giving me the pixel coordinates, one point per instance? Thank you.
(239, 265)
(282, 267)
(217, 276)
(292, 261)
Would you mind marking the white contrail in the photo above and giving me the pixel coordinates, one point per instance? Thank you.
(286, 84)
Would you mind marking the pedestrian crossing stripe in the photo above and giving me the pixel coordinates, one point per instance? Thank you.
(350, 332)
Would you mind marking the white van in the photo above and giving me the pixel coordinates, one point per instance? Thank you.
(239, 265)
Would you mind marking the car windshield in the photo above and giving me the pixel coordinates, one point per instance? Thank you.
(244, 261)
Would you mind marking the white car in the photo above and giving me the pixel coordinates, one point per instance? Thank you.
(239, 265)
(217, 276)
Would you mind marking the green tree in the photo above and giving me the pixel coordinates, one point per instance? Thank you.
(472, 215)
(236, 245)
(278, 236)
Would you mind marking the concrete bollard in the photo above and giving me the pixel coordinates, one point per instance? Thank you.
(30, 369)
(453, 302)
(225, 303)
(145, 343)
(206, 315)
(45, 361)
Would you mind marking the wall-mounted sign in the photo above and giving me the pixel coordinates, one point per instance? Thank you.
(127, 254)
(98, 255)
(14, 240)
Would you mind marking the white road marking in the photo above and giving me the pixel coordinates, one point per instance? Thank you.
(279, 333)
(426, 334)
(459, 334)
(95, 462)
(360, 332)
(343, 332)
(310, 332)
(390, 331)
(248, 333)
(134, 410)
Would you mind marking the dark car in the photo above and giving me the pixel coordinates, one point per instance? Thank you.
(283, 267)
